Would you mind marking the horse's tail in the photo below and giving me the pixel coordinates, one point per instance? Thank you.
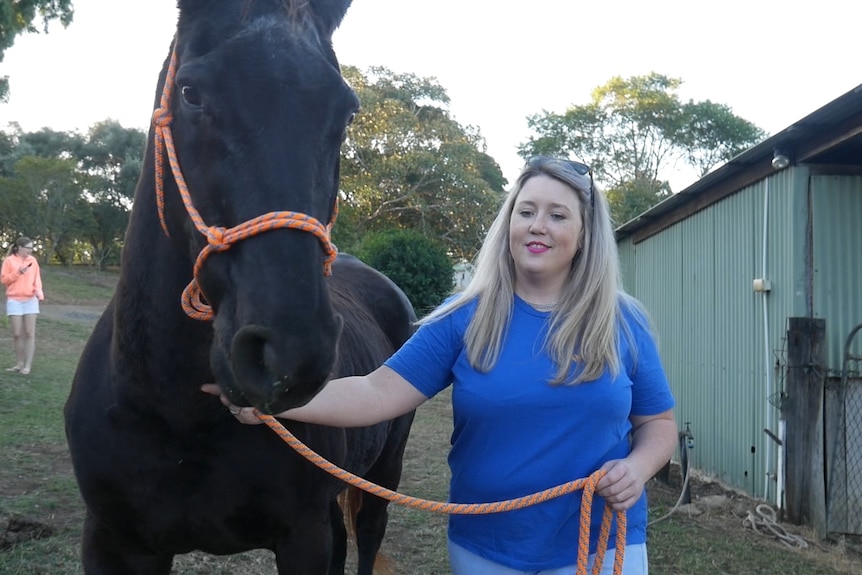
(350, 502)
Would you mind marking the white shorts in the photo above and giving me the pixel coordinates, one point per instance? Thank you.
(15, 307)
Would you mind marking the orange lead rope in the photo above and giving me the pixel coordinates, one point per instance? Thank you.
(588, 484)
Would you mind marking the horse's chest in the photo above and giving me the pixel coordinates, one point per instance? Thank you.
(193, 493)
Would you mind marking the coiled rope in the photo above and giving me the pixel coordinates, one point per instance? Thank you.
(588, 484)
(764, 521)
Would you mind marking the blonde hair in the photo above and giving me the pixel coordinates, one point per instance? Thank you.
(588, 316)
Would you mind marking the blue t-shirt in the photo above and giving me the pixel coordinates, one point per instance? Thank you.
(515, 434)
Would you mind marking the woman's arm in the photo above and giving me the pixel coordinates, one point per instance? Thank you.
(8, 274)
(354, 401)
(37, 280)
(654, 439)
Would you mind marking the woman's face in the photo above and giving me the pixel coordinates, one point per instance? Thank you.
(545, 230)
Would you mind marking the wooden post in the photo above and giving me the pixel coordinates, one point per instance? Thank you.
(805, 486)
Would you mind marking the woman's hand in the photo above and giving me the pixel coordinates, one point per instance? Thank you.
(653, 443)
(247, 415)
(622, 484)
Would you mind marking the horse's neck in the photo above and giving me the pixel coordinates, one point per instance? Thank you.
(150, 255)
(155, 270)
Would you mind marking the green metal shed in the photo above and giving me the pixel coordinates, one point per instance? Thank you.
(726, 267)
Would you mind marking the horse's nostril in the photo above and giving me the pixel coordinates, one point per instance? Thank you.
(249, 355)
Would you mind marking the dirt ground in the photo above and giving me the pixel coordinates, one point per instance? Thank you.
(71, 313)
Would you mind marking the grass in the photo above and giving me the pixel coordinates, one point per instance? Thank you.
(36, 482)
(35, 476)
(78, 285)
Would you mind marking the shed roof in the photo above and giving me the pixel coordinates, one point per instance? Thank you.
(830, 137)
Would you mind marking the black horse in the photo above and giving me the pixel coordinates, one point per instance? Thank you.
(251, 113)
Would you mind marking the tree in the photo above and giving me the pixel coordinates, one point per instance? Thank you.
(112, 157)
(49, 143)
(714, 134)
(18, 16)
(17, 214)
(407, 164)
(40, 172)
(633, 130)
(631, 198)
(115, 155)
(418, 264)
(55, 205)
(8, 143)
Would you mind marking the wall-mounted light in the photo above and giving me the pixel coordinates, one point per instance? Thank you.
(780, 159)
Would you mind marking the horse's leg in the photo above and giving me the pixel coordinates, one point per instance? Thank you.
(307, 549)
(339, 539)
(370, 529)
(103, 554)
(373, 515)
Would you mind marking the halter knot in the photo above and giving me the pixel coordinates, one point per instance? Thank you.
(162, 117)
(217, 238)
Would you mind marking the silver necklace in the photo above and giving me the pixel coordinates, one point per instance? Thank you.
(542, 306)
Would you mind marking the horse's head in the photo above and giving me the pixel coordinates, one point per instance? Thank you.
(256, 108)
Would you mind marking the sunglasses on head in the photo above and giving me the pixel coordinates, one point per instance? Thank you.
(578, 167)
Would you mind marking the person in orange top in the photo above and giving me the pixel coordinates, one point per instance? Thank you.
(23, 280)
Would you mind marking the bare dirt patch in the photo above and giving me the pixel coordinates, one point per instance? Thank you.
(87, 315)
(15, 530)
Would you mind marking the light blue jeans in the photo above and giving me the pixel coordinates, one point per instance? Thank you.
(466, 563)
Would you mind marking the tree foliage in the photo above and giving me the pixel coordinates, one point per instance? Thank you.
(408, 164)
(418, 264)
(713, 134)
(19, 16)
(71, 192)
(634, 130)
(54, 202)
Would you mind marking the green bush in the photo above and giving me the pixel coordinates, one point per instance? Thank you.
(418, 264)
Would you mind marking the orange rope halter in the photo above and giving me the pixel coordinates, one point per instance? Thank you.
(219, 239)
(588, 484)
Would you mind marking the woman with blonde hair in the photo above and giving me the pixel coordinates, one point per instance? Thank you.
(554, 373)
(23, 280)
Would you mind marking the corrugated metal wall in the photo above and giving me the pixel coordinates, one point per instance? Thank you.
(696, 279)
(837, 229)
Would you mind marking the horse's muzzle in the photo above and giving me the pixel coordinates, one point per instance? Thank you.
(274, 371)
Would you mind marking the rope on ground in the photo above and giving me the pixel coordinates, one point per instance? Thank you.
(763, 520)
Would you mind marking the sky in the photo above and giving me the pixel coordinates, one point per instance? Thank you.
(500, 61)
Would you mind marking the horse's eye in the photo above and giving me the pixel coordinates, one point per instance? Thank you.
(351, 118)
(191, 96)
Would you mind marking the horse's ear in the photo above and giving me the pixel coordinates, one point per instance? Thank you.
(328, 14)
(190, 8)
